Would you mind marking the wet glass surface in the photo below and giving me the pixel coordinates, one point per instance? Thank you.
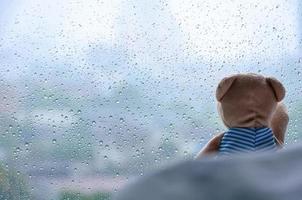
(95, 93)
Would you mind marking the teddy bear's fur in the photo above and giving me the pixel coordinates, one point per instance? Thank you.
(250, 101)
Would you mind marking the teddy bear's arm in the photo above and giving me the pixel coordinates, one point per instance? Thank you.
(278, 143)
(211, 147)
(279, 124)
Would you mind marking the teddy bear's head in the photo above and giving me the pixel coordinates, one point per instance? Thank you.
(248, 100)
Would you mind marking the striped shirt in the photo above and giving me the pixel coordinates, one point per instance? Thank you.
(243, 140)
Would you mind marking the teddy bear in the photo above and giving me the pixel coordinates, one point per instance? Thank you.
(250, 106)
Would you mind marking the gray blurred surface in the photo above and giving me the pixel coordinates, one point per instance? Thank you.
(250, 177)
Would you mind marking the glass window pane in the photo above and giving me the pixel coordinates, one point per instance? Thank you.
(95, 93)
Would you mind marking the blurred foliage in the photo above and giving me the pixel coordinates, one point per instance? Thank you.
(72, 195)
(12, 185)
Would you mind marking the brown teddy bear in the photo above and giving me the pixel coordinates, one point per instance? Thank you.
(250, 106)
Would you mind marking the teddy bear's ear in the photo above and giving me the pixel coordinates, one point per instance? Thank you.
(277, 88)
(224, 86)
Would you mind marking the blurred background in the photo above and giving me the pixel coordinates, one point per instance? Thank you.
(96, 93)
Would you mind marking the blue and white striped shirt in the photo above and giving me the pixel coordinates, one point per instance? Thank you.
(243, 140)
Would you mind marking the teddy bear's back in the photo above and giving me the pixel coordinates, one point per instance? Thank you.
(244, 140)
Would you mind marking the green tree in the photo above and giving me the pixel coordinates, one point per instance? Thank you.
(12, 185)
(72, 195)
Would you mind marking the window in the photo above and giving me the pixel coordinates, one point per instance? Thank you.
(95, 93)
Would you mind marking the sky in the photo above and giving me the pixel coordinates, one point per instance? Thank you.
(177, 42)
(211, 29)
